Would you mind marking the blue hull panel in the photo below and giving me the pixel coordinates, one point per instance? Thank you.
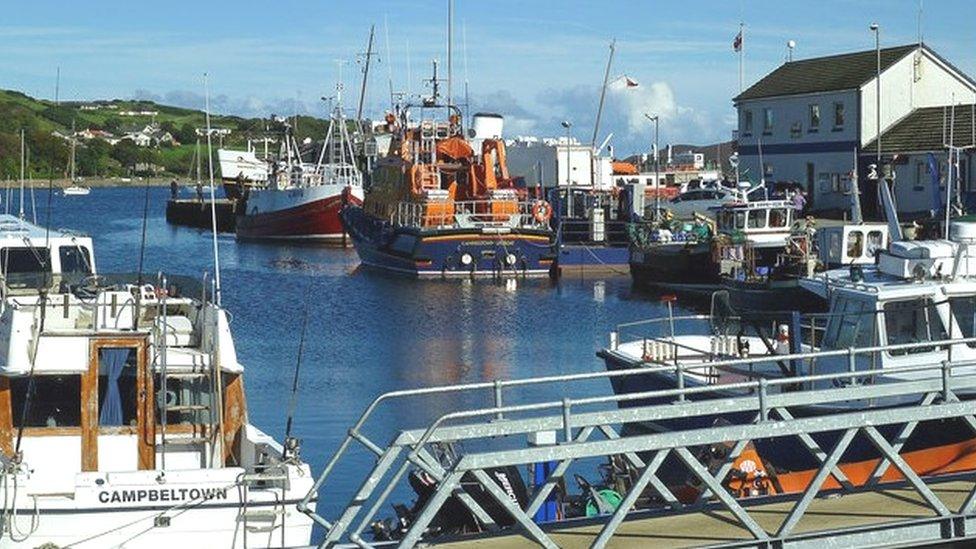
(448, 252)
(573, 256)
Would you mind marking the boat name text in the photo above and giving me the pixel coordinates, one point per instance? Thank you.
(161, 494)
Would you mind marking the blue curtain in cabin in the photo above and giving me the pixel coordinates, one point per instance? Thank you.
(112, 361)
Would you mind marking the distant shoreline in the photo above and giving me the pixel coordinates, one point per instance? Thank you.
(99, 182)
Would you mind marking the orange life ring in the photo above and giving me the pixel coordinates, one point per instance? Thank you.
(541, 211)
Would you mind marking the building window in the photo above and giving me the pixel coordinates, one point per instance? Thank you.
(921, 172)
(838, 115)
(747, 123)
(767, 120)
(814, 117)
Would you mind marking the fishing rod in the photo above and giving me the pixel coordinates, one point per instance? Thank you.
(290, 444)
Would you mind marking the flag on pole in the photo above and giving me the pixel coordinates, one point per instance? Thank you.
(737, 42)
(631, 83)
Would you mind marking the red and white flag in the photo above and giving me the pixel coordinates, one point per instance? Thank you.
(737, 42)
(631, 83)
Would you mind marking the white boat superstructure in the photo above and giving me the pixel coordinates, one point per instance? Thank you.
(123, 420)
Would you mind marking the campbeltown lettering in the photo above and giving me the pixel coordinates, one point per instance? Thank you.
(161, 495)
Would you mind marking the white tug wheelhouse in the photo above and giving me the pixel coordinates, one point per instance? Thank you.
(123, 419)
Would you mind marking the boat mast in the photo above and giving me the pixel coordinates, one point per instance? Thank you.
(23, 162)
(450, 51)
(213, 198)
(362, 89)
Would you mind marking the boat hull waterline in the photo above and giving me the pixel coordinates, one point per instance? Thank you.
(448, 252)
(308, 214)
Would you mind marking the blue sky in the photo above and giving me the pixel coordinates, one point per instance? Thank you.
(536, 61)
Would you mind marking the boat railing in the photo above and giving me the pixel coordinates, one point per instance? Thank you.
(498, 214)
(854, 402)
(106, 303)
(593, 232)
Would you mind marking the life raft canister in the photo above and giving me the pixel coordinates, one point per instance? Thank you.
(541, 211)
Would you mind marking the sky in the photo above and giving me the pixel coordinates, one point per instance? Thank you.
(537, 62)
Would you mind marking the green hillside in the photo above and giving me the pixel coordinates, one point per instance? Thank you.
(45, 124)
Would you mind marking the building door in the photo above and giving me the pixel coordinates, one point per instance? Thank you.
(117, 399)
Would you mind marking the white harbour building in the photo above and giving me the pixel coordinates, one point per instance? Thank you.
(810, 119)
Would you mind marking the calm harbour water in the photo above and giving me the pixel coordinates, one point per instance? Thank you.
(367, 332)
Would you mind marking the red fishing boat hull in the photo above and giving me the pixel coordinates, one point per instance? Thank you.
(310, 214)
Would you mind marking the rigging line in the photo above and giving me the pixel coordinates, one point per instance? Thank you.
(293, 402)
(213, 198)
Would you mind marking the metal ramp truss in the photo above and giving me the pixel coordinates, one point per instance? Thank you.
(590, 427)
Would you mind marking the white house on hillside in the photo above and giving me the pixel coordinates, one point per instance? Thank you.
(809, 119)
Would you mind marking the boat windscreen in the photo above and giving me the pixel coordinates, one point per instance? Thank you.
(26, 267)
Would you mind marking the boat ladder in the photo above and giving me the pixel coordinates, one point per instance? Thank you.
(201, 432)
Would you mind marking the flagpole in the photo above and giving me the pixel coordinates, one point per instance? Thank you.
(742, 50)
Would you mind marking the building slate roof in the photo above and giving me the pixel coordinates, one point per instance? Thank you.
(928, 129)
(824, 74)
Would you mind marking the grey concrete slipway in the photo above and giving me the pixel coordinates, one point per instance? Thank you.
(918, 511)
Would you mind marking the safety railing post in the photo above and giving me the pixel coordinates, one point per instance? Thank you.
(946, 369)
(763, 394)
(498, 399)
(680, 374)
(852, 365)
(567, 430)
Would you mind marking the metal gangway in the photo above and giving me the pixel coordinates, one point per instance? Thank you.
(864, 404)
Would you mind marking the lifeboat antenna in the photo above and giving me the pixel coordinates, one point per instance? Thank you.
(450, 48)
(213, 198)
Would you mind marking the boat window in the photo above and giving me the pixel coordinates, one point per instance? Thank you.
(24, 266)
(875, 243)
(191, 394)
(56, 401)
(851, 325)
(964, 311)
(855, 244)
(833, 246)
(757, 219)
(778, 218)
(912, 321)
(117, 391)
(75, 259)
(404, 244)
(740, 219)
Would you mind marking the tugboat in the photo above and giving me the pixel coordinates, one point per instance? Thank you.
(438, 207)
(123, 420)
(301, 201)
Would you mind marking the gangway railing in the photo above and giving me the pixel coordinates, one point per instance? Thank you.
(855, 403)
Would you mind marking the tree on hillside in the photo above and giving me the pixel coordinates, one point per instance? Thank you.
(126, 152)
(93, 158)
(187, 134)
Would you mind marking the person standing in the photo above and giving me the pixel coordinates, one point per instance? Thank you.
(799, 201)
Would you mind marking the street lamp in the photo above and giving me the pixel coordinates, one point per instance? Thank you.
(877, 108)
(876, 29)
(657, 174)
(569, 202)
(567, 124)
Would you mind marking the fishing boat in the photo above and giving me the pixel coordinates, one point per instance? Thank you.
(692, 256)
(123, 419)
(442, 206)
(301, 201)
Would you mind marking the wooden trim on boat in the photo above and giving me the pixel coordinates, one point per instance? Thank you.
(6, 418)
(145, 421)
(235, 415)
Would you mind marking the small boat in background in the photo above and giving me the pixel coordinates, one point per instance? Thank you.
(76, 189)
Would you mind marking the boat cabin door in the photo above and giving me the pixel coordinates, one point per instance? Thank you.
(117, 407)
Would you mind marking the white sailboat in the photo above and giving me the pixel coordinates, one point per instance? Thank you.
(76, 188)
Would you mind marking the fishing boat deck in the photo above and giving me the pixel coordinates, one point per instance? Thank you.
(867, 509)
